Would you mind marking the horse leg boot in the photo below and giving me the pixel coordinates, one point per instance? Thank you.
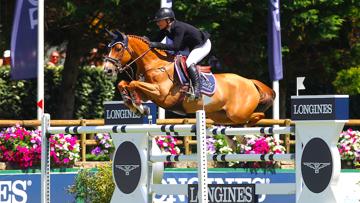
(195, 80)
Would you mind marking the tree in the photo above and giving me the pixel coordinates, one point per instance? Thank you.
(74, 22)
(319, 37)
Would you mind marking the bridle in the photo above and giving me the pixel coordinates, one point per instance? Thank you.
(117, 63)
(119, 68)
(120, 38)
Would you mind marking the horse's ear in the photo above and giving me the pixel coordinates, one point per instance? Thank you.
(110, 33)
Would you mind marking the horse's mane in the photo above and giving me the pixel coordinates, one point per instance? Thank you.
(143, 39)
(159, 53)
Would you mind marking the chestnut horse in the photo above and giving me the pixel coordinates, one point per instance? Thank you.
(237, 100)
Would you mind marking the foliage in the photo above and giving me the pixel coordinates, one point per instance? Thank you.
(218, 144)
(167, 144)
(348, 81)
(64, 149)
(20, 146)
(23, 147)
(14, 95)
(256, 144)
(19, 97)
(349, 146)
(261, 145)
(94, 186)
(92, 89)
(92, 157)
(104, 145)
(249, 144)
(317, 36)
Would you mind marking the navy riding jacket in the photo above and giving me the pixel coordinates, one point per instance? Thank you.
(183, 36)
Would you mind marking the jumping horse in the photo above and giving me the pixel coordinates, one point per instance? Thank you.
(236, 100)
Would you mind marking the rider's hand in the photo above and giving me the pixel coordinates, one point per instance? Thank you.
(155, 45)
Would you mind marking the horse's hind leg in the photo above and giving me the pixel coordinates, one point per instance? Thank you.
(254, 118)
(219, 117)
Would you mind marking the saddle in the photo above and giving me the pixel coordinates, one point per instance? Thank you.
(207, 79)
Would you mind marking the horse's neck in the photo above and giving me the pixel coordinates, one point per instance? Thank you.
(138, 47)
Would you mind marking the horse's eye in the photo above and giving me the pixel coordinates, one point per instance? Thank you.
(117, 49)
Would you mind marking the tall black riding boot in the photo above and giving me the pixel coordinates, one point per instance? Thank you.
(195, 80)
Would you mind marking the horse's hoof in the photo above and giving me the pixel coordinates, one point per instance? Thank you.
(138, 113)
(146, 110)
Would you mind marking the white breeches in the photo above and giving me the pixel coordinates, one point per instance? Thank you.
(198, 53)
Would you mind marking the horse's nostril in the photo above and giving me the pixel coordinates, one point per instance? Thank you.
(107, 71)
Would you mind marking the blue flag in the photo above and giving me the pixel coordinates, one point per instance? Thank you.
(24, 41)
(274, 41)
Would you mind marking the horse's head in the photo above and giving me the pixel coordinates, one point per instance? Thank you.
(119, 54)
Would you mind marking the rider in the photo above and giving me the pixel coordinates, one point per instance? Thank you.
(182, 37)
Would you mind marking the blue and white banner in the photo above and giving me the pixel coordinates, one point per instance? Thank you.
(24, 40)
(274, 41)
(231, 177)
(26, 187)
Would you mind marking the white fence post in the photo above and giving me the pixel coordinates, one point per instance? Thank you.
(202, 157)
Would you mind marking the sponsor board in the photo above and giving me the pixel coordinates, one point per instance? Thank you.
(231, 176)
(221, 193)
(26, 187)
(320, 107)
(115, 112)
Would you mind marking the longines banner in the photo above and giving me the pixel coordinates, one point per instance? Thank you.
(117, 113)
(25, 187)
(320, 107)
(229, 177)
(225, 193)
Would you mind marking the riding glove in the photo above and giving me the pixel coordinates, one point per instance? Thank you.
(158, 45)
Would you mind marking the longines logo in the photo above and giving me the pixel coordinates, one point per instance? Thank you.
(127, 168)
(316, 166)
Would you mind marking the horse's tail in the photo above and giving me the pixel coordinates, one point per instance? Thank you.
(267, 96)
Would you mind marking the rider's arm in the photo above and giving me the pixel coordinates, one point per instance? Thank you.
(160, 36)
(178, 40)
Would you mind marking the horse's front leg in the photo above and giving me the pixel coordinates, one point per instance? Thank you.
(143, 91)
(122, 87)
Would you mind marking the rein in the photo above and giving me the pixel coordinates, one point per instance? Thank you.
(121, 68)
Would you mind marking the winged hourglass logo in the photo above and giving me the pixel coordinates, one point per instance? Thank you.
(127, 168)
(316, 166)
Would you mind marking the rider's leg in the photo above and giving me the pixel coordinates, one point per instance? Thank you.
(194, 57)
(195, 79)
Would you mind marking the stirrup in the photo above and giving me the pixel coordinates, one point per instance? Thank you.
(193, 90)
(191, 93)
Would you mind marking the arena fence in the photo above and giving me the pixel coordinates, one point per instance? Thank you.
(137, 165)
(86, 140)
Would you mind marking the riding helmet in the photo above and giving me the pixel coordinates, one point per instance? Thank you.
(164, 13)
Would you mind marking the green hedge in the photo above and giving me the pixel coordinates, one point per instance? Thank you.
(348, 82)
(18, 98)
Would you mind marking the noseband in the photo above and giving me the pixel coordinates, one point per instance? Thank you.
(117, 63)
